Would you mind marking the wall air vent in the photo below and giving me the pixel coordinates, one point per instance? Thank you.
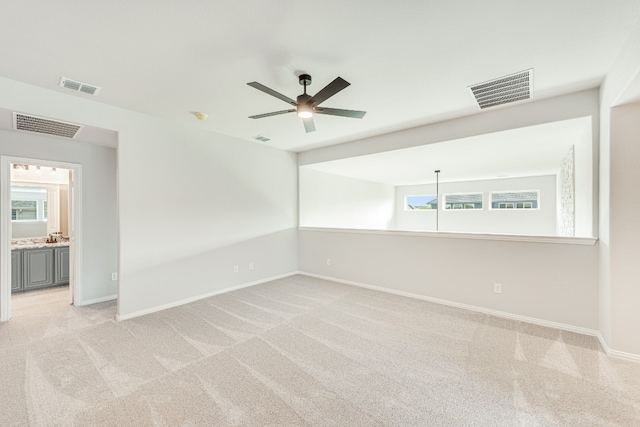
(511, 88)
(262, 138)
(47, 126)
(79, 86)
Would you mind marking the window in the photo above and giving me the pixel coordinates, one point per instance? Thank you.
(515, 199)
(24, 210)
(421, 203)
(29, 204)
(463, 201)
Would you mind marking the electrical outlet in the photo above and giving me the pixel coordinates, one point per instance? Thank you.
(250, 266)
(236, 268)
(114, 276)
(328, 261)
(497, 288)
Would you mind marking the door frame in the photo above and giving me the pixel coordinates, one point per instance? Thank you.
(75, 239)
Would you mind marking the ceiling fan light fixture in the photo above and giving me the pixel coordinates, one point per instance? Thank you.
(304, 111)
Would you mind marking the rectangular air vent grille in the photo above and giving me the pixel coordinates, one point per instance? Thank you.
(511, 88)
(262, 138)
(47, 126)
(79, 86)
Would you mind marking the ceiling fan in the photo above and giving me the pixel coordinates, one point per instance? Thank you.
(307, 105)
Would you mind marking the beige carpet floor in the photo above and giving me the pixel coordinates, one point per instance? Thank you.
(302, 352)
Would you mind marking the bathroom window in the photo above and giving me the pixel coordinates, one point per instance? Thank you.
(29, 204)
(24, 210)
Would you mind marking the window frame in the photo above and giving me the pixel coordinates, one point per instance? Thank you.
(40, 202)
(515, 203)
(406, 204)
(462, 205)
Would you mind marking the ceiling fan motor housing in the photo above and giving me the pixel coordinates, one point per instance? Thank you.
(304, 79)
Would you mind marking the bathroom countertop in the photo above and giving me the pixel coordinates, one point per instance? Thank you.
(35, 244)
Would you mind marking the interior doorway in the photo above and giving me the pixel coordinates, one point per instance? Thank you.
(57, 229)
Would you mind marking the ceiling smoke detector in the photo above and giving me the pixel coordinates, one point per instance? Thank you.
(503, 90)
(28, 123)
(79, 86)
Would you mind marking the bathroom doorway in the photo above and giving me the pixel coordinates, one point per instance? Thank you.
(40, 220)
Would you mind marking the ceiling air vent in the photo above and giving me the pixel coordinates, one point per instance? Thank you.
(262, 138)
(41, 125)
(511, 88)
(79, 86)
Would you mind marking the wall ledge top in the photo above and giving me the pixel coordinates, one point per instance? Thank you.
(587, 241)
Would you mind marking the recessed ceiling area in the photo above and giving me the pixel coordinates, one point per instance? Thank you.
(409, 63)
(530, 151)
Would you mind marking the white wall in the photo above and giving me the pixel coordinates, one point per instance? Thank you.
(571, 106)
(248, 212)
(552, 282)
(242, 208)
(585, 162)
(99, 227)
(619, 315)
(328, 200)
(25, 229)
(540, 222)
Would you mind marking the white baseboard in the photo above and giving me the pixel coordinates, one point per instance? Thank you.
(503, 314)
(97, 300)
(497, 313)
(616, 353)
(199, 297)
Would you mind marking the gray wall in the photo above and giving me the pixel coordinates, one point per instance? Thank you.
(619, 232)
(555, 282)
(99, 203)
(546, 281)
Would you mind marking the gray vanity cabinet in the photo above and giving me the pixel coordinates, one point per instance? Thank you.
(62, 265)
(16, 271)
(37, 268)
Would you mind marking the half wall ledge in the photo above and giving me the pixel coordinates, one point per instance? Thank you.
(586, 241)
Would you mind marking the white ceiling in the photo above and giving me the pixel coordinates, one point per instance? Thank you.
(530, 151)
(409, 62)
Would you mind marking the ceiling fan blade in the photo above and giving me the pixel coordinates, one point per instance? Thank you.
(275, 113)
(329, 90)
(272, 92)
(355, 114)
(309, 126)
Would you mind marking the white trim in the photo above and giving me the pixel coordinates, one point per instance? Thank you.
(496, 313)
(616, 353)
(97, 300)
(199, 297)
(588, 241)
(75, 244)
(5, 239)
